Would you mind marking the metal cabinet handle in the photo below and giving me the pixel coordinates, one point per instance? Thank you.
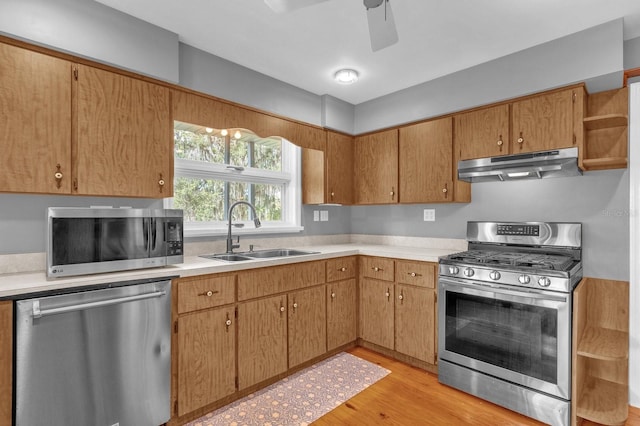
(282, 308)
(392, 193)
(376, 269)
(343, 269)
(161, 182)
(401, 297)
(58, 175)
(521, 139)
(388, 294)
(333, 295)
(295, 305)
(500, 142)
(333, 194)
(413, 274)
(208, 293)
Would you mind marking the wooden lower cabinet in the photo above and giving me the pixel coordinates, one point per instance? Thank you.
(415, 322)
(376, 312)
(307, 325)
(206, 360)
(262, 340)
(341, 313)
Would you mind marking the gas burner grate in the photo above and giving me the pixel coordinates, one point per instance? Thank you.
(514, 259)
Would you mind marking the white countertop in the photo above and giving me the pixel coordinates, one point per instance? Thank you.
(31, 282)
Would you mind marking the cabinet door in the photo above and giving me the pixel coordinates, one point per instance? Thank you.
(35, 122)
(206, 358)
(262, 340)
(543, 122)
(339, 161)
(124, 136)
(341, 313)
(376, 168)
(483, 132)
(415, 329)
(425, 162)
(313, 176)
(376, 312)
(307, 325)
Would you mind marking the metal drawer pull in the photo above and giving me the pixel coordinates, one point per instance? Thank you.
(375, 268)
(282, 308)
(295, 305)
(413, 274)
(227, 322)
(333, 295)
(388, 294)
(343, 269)
(37, 313)
(209, 293)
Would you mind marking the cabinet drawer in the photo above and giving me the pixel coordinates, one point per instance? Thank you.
(205, 292)
(379, 268)
(278, 279)
(416, 273)
(341, 268)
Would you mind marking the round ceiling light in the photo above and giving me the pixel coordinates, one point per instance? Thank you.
(346, 76)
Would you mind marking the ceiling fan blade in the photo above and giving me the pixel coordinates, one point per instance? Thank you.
(284, 6)
(382, 26)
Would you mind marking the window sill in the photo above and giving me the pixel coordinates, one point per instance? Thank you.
(212, 232)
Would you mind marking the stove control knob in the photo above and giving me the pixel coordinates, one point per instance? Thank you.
(494, 275)
(453, 270)
(468, 272)
(544, 282)
(524, 279)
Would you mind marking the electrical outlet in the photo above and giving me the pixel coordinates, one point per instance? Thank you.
(316, 215)
(429, 215)
(324, 215)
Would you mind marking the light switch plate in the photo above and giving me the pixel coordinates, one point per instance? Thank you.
(316, 215)
(429, 215)
(324, 215)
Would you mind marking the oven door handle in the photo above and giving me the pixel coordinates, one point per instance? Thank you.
(478, 287)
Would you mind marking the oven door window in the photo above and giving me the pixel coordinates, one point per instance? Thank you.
(518, 337)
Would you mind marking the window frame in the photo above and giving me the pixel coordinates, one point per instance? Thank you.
(290, 178)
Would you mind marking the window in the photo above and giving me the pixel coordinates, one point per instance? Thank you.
(216, 167)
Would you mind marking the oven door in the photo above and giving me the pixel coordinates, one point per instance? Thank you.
(519, 335)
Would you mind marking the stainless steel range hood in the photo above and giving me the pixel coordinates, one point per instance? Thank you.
(532, 165)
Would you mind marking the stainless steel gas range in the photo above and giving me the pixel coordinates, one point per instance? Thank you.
(504, 311)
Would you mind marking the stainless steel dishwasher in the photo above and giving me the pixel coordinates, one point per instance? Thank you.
(100, 357)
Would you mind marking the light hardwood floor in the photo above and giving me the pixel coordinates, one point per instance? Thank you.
(410, 396)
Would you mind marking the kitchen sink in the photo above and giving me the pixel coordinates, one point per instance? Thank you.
(227, 257)
(260, 254)
(276, 253)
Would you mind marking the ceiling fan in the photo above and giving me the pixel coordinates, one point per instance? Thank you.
(382, 27)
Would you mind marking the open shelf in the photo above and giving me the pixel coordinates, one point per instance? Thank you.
(605, 344)
(604, 402)
(590, 164)
(605, 121)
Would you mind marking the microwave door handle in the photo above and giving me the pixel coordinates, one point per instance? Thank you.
(154, 233)
(145, 231)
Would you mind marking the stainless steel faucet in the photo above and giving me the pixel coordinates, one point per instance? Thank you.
(256, 222)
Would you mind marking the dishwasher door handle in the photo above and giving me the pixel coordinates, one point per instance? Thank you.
(38, 313)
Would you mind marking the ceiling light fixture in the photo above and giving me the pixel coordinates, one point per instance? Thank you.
(224, 132)
(346, 76)
(237, 134)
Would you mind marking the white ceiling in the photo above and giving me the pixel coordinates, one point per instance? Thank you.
(437, 37)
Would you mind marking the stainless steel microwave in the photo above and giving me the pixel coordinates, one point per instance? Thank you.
(95, 240)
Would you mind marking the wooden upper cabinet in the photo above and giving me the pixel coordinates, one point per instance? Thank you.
(544, 122)
(376, 168)
(35, 122)
(208, 111)
(425, 162)
(124, 136)
(313, 176)
(483, 132)
(339, 168)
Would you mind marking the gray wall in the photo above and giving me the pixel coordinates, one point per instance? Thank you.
(210, 74)
(600, 200)
(632, 53)
(92, 30)
(586, 55)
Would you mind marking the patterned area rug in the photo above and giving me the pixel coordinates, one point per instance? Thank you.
(302, 397)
